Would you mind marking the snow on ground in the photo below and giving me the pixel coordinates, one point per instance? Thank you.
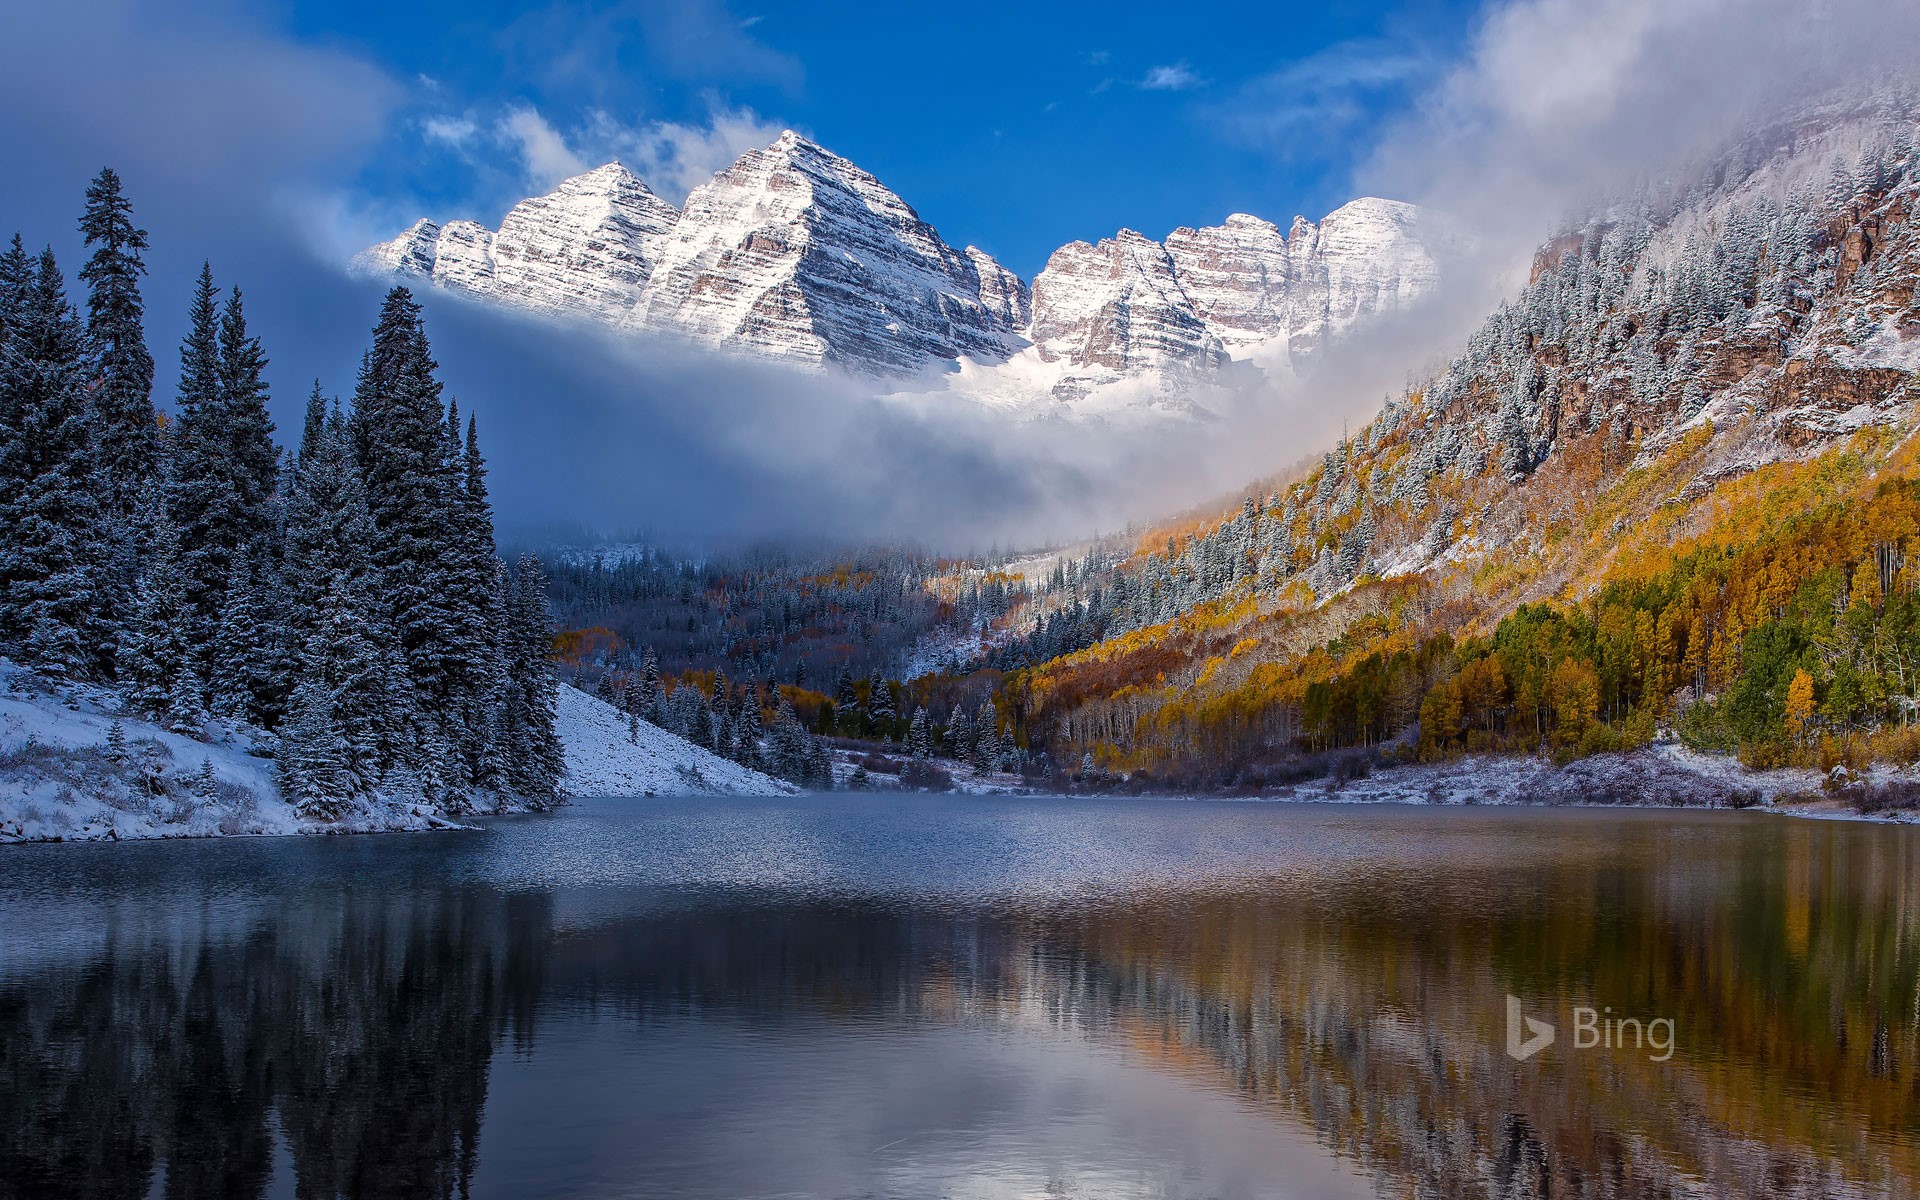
(1662, 774)
(885, 768)
(601, 761)
(58, 780)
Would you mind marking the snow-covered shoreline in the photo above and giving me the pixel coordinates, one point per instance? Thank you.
(65, 775)
(1663, 776)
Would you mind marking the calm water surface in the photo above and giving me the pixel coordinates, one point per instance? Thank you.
(930, 997)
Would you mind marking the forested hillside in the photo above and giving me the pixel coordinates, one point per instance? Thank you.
(346, 600)
(1670, 486)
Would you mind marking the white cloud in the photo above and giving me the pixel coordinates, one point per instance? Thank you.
(1558, 103)
(1175, 77)
(458, 132)
(544, 152)
(675, 157)
(1320, 102)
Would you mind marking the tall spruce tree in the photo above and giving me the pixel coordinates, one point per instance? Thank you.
(478, 678)
(53, 552)
(535, 761)
(242, 683)
(249, 458)
(330, 589)
(201, 499)
(157, 644)
(121, 365)
(413, 495)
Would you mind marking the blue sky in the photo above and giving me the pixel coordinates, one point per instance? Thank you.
(1014, 127)
(274, 138)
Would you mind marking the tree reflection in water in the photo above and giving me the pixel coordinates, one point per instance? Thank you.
(179, 1030)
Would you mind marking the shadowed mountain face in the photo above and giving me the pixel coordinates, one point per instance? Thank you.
(849, 998)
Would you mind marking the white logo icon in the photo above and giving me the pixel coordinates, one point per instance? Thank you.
(1539, 1034)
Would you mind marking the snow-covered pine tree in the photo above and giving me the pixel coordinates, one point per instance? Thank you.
(536, 761)
(413, 494)
(311, 761)
(186, 710)
(880, 709)
(959, 734)
(242, 683)
(156, 641)
(249, 457)
(747, 730)
(343, 661)
(479, 677)
(651, 702)
(986, 743)
(121, 366)
(199, 497)
(919, 743)
(328, 541)
(313, 426)
(54, 552)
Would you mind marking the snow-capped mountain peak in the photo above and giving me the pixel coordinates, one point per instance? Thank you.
(797, 254)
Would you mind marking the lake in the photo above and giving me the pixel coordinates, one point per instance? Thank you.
(866, 995)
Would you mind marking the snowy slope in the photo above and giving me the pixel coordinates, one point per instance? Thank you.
(57, 780)
(602, 762)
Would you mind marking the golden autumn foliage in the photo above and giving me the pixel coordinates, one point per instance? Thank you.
(1780, 605)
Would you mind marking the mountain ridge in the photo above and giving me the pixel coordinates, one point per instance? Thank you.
(798, 255)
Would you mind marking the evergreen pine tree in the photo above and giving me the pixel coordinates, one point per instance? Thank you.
(250, 459)
(54, 557)
(880, 709)
(311, 762)
(400, 442)
(121, 365)
(156, 643)
(186, 710)
(344, 662)
(918, 742)
(16, 276)
(536, 761)
(652, 700)
(206, 785)
(241, 683)
(200, 497)
(314, 425)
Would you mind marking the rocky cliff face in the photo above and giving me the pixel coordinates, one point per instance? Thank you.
(1170, 314)
(585, 249)
(796, 254)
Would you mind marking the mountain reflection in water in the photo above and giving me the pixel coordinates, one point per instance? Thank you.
(922, 997)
